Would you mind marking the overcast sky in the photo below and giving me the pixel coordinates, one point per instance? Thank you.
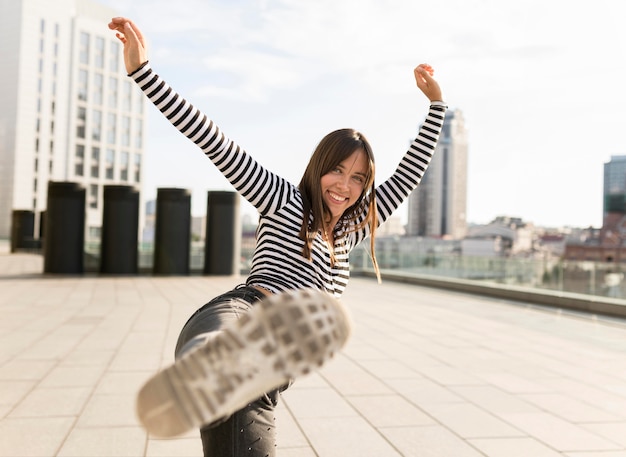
(539, 82)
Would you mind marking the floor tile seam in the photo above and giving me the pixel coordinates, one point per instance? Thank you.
(294, 418)
(466, 401)
(578, 399)
(358, 414)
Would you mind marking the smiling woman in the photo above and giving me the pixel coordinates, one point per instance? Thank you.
(239, 350)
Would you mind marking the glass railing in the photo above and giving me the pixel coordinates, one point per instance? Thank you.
(550, 273)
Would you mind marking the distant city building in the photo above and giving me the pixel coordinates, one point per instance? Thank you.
(614, 195)
(69, 112)
(437, 208)
(391, 227)
(503, 237)
(608, 244)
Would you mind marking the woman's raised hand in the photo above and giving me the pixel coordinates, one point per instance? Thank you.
(135, 53)
(426, 83)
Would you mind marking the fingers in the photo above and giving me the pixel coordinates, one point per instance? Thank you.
(426, 83)
(127, 28)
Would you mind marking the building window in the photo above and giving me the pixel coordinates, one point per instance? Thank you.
(111, 128)
(114, 57)
(124, 166)
(112, 92)
(138, 133)
(98, 88)
(137, 168)
(126, 131)
(93, 196)
(83, 84)
(99, 54)
(83, 50)
(96, 125)
(81, 122)
(79, 160)
(95, 162)
(127, 96)
(110, 163)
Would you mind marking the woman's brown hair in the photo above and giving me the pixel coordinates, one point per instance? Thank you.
(330, 152)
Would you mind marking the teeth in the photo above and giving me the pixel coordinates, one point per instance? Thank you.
(339, 198)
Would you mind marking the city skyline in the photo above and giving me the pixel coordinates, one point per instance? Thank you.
(539, 85)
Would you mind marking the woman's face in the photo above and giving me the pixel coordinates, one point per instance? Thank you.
(343, 186)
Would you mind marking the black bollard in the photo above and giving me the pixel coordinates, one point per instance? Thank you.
(172, 232)
(22, 230)
(64, 237)
(222, 250)
(120, 228)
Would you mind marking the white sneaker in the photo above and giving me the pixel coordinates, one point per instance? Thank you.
(282, 337)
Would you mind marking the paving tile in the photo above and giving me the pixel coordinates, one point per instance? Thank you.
(104, 441)
(615, 432)
(16, 436)
(345, 437)
(389, 411)
(469, 421)
(109, 411)
(428, 441)
(317, 403)
(422, 391)
(351, 379)
(288, 433)
(20, 370)
(12, 392)
(571, 409)
(73, 376)
(513, 447)
(184, 447)
(296, 452)
(53, 402)
(596, 454)
(558, 433)
(494, 400)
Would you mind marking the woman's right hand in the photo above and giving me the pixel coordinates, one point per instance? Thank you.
(135, 53)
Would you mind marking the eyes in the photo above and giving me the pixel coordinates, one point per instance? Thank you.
(357, 178)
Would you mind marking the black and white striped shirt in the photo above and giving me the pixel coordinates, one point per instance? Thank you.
(278, 264)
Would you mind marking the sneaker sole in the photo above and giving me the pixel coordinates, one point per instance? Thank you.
(282, 337)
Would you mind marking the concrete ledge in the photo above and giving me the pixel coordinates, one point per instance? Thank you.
(592, 304)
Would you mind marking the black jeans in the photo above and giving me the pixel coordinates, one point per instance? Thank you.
(251, 431)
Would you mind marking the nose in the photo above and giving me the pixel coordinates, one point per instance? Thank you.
(343, 182)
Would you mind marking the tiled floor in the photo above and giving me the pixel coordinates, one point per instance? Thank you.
(427, 373)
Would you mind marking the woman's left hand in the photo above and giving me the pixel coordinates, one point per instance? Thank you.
(426, 83)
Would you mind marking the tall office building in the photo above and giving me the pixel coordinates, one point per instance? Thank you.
(69, 112)
(437, 208)
(614, 186)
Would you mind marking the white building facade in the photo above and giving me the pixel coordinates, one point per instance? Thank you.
(69, 112)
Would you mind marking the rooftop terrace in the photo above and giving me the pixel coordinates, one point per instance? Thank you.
(428, 372)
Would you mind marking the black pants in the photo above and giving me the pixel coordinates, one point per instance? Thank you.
(251, 431)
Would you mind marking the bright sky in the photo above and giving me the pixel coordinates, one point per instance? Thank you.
(540, 84)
